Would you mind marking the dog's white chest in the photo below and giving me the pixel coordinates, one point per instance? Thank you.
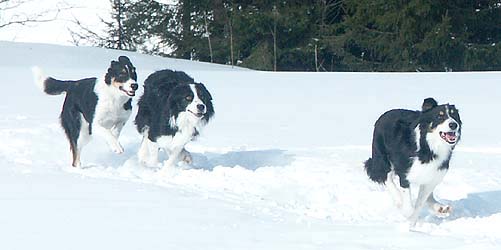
(187, 126)
(426, 173)
(110, 108)
(110, 113)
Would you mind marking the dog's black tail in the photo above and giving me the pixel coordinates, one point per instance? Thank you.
(50, 85)
(378, 166)
(377, 170)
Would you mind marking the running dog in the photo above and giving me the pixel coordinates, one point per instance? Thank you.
(414, 147)
(94, 105)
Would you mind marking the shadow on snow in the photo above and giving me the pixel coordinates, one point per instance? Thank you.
(481, 204)
(475, 205)
(250, 160)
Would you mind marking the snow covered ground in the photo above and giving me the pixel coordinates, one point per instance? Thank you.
(280, 166)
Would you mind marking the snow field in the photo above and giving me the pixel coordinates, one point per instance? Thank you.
(280, 166)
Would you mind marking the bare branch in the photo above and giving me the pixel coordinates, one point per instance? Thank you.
(85, 33)
(24, 19)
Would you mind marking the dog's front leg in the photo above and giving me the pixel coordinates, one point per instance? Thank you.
(424, 193)
(110, 138)
(116, 129)
(176, 150)
(174, 156)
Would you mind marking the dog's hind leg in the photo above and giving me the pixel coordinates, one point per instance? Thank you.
(76, 158)
(405, 190)
(395, 193)
(83, 139)
(71, 121)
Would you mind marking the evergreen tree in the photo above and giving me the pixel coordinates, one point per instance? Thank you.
(412, 35)
(316, 35)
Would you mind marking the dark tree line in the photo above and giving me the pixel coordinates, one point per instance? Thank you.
(316, 35)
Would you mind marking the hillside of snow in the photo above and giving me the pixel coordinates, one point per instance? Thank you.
(280, 166)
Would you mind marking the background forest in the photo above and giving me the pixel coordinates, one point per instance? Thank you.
(313, 35)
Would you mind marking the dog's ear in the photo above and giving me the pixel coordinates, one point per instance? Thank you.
(205, 91)
(124, 59)
(113, 66)
(109, 73)
(428, 104)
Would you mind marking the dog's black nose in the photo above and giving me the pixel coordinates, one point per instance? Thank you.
(201, 107)
(134, 86)
(453, 125)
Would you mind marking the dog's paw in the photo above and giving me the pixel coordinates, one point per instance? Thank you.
(442, 210)
(76, 164)
(186, 157)
(118, 149)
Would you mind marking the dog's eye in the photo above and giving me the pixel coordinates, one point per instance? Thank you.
(189, 98)
(441, 113)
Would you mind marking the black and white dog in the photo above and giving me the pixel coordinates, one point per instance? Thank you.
(172, 111)
(94, 105)
(414, 147)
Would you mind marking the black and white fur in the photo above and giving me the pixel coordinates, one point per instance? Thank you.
(172, 112)
(414, 147)
(94, 105)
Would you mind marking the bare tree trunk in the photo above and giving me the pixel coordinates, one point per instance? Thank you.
(274, 33)
(275, 48)
(231, 39)
(208, 37)
(316, 57)
(118, 17)
(185, 48)
(219, 26)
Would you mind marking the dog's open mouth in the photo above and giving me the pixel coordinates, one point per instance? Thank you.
(127, 92)
(199, 115)
(449, 137)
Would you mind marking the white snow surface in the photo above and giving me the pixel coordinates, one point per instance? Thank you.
(279, 167)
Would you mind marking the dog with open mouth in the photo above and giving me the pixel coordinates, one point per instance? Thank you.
(414, 148)
(94, 105)
(171, 112)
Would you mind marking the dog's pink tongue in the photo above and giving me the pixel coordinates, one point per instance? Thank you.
(450, 136)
